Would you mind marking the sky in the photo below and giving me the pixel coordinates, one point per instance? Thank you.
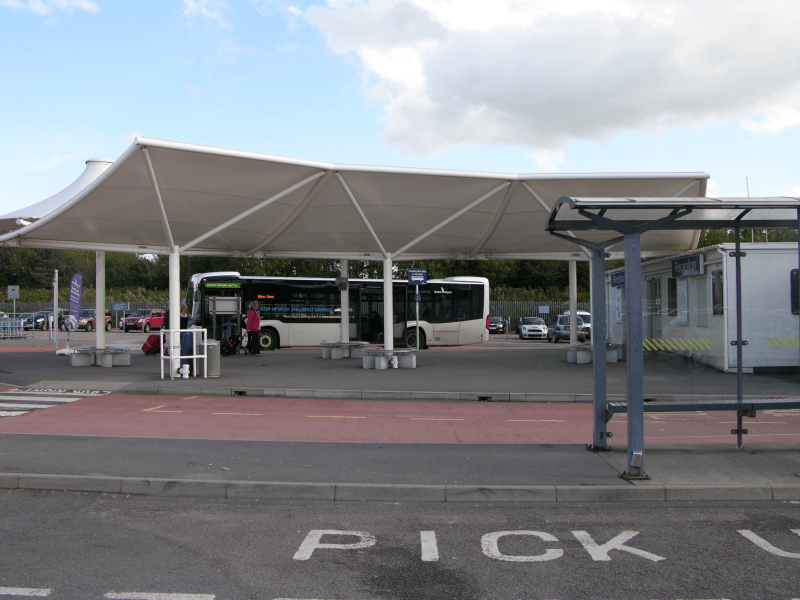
(511, 86)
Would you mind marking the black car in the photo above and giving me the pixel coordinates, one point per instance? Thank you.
(496, 324)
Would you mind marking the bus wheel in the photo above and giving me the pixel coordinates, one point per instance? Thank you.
(411, 338)
(269, 339)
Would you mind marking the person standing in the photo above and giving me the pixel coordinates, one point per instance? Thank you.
(253, 330)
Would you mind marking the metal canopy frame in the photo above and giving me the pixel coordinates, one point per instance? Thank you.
(619, 215)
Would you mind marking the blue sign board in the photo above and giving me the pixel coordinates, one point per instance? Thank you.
(417, 276)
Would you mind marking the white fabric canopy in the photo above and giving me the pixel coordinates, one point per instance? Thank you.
(162, 197)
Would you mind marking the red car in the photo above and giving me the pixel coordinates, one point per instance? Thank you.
(144, 319)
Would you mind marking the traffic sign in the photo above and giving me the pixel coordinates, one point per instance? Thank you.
(417, 276)
(13, 292)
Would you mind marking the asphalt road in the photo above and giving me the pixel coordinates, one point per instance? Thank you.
(84, 546)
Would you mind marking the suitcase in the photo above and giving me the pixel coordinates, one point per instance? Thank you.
(230, 345)
(152, 345)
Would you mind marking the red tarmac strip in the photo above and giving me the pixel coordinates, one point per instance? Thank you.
(290, 419)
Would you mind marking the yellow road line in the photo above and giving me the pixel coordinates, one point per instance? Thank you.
(332, 417)
(155, 409)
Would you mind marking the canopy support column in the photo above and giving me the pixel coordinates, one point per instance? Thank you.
(573, 302)
(344, 269)
(388, 306)
(174, 313)
(599, 330)
(635, 355)
(100, 300)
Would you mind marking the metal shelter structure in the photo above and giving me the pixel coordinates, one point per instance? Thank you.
(592, 219)
(164, 197)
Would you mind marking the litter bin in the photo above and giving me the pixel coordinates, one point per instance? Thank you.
(212, 357)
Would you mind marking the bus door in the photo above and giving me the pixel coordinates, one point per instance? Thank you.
(445, 325)
(371, 314)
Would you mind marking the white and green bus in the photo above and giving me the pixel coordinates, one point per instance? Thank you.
(304, 311)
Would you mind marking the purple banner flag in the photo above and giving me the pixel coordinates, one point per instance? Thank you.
(75, 292)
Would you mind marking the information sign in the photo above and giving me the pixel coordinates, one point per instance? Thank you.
(13, 292)
(618, 279)
(417, 276)
(120, 306)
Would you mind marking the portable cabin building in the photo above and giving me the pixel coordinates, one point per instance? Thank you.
(689, 306)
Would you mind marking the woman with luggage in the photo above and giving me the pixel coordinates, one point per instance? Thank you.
(253, 326)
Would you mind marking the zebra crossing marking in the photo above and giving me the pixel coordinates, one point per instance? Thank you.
(16, 402)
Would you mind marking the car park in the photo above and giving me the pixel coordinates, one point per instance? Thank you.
(560, 329)
(587, 322)
(44, 320)
(143, 319)
(496, 324)
(532, 328)
(87, 321)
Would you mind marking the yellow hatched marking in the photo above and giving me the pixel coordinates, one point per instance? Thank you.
(672, 344)
(790, 342)
(662, 345)
(692, 344)
(780, 343)
(683, 344)
(646, 345)
(769, 344)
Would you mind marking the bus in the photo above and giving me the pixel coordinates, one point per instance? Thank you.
(304, 311)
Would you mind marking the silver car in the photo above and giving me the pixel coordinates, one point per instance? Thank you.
(560, 329)
(532, 328)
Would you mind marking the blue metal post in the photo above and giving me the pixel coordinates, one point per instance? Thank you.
(599, 329)
(635, 355)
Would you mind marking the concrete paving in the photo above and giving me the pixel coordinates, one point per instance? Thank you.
(505, 371)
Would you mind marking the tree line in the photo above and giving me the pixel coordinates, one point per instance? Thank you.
(145, 277)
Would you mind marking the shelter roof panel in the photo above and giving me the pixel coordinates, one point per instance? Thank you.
(242, 202)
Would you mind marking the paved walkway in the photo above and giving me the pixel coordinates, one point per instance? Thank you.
(192, 438)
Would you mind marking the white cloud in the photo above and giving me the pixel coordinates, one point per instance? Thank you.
(228, 52)
(46, 8)
(130, 138)
(541, 73)
(207, 9)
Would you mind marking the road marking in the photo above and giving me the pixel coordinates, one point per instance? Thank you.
(312, 542)
(765, 545)
(332, 417)
(63, 392)
(491, 549)
(12, 413)
(240, 414)
(534, 421)
(599, 552)
(5, 396)
(26, 406)
(430, 551)
(9, 591)
(151, 596)
(155, 409)
(433, 419)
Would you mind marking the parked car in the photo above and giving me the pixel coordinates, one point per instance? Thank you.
(587, 322)
(560, 329)
(144, 319)
(87, 321)
(44, 320)
(496, 324)
(3, 315)
(532, 328)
